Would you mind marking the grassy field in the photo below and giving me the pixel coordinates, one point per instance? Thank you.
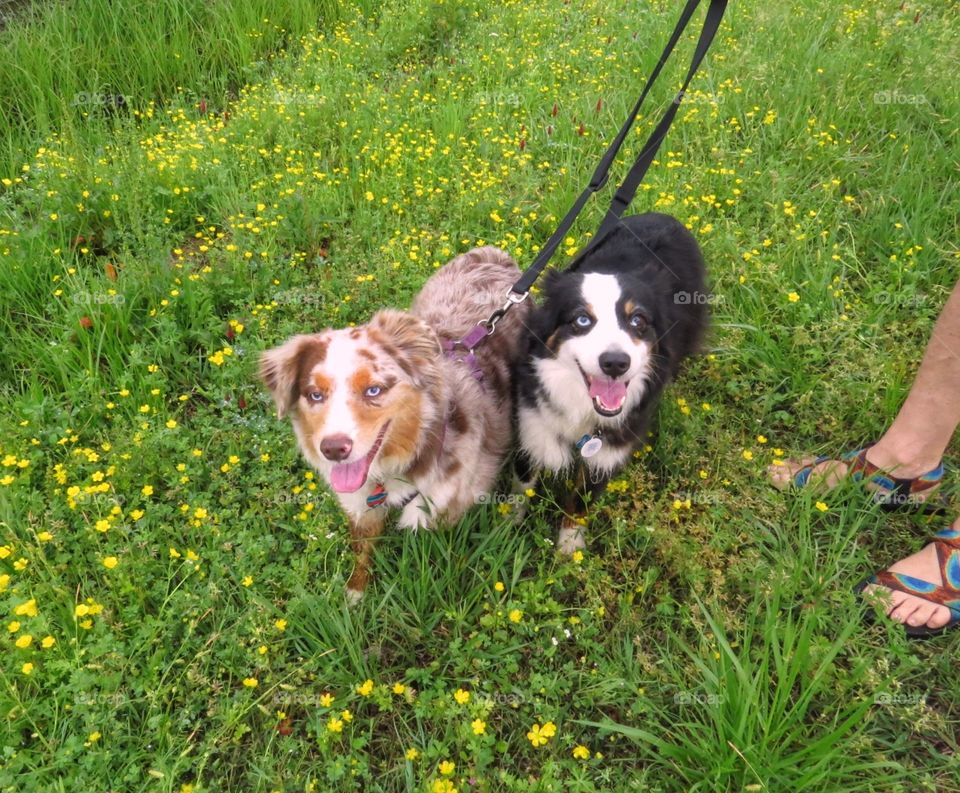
(172, 574)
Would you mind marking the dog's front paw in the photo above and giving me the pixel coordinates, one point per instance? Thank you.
(415, 516)
(570, 538)
(353, 596)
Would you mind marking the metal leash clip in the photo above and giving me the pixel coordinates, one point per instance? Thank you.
(513, 299)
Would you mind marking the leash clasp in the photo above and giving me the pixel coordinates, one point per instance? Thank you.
(513, 299)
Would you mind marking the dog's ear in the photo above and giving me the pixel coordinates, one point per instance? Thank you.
(545, 316)
(280, 366)
(410, 342)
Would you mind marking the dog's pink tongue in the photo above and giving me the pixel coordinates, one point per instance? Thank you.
(611, 393)
(349, 477)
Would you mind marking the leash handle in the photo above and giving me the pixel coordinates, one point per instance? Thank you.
(636, 174)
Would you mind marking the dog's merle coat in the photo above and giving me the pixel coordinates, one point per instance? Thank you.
(610, 332)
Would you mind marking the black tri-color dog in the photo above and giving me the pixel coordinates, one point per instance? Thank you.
(610, 332)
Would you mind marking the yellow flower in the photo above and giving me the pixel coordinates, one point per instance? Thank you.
(335, 725)
(251, 682)
(478, 726)
(27, 668)
(110, 562)
(577, 556)
(529, 492)
(24, 641)
(447, 767)
(793, 297)
(326, 699)
(399, 688)
(747, 454)
(516, 615)
(761, 439)
(171, 424)
(539, 736)
(44, 536)
(81, 610)
(581, 752)
(549, 729)
(411, 754)
(147, 490)
(280, 625)
(499, 587)
(102, 525)
(48, 642)
(461, 696)
(821, 506)
(26, 609)
(365, 688)
(443, 786)
(247, 580)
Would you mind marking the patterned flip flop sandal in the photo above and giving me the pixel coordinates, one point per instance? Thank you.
(897, 494)
(947, 544)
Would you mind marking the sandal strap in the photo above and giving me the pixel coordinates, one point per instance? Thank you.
(897, 488)
(800, 477)
(947, 545)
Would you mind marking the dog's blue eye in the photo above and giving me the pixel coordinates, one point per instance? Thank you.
(582, 321)
(638, 321)
(373, 391)
(315, 396)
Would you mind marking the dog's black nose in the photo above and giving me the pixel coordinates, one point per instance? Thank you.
(614, 364)
(336, 447)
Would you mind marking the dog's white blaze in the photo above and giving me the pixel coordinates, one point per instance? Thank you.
(340, 363)
(601, 293)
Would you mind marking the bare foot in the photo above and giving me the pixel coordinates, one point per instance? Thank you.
(911, 609)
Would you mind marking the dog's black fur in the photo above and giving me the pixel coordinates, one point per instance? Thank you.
(661, 275)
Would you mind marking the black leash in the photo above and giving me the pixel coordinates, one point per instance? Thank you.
(625, 193)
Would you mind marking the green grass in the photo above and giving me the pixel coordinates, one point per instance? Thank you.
(708, 640)
(80, 66)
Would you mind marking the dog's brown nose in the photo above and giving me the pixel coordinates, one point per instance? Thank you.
(336, 447)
